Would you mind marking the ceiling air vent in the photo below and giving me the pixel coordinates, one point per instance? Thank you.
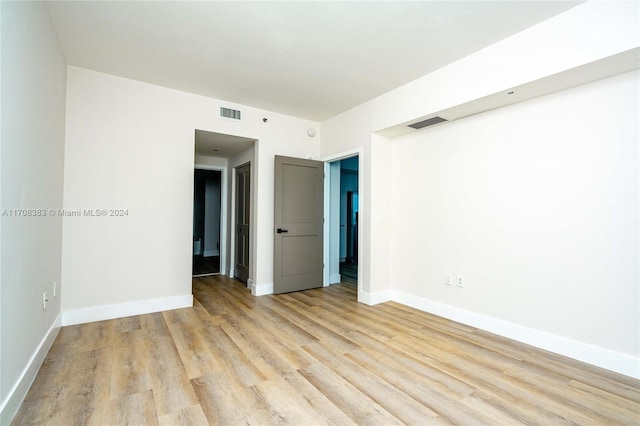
(232, 114)
(428, 122)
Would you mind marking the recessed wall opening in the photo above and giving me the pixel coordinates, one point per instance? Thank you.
(218, 153)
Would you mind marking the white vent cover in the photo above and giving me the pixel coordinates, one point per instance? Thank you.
(232, 114)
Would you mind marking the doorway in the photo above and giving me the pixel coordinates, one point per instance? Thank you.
(349, 215)
(207, 199)
(342, 210)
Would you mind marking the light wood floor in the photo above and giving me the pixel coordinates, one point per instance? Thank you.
(311, 358)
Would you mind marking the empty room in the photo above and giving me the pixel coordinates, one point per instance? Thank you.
(421, 212)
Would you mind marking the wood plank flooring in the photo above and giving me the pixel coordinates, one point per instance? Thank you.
(311, 358)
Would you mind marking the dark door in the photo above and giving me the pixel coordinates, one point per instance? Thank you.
(242, 221)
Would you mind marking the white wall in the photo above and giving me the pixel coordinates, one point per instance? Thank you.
(537, 206)
(33, 99)
(583, 35)
(345, 135)
(205, 160)
(130, 145)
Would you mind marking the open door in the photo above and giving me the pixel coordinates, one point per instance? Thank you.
(242, 221)
(298, 223)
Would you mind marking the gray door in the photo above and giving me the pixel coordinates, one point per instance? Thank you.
(243, 191)
(299, 198)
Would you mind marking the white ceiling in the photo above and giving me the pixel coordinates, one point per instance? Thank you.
(306, 59)
(213, 144)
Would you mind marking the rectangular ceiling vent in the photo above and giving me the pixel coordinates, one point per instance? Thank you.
(229, 113)
(428, 122)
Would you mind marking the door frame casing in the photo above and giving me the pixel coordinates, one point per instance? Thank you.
(327, 210)
(223, 209)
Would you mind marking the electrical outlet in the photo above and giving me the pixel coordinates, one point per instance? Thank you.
(55, 289)
(44, 301)
(460, 281)
(447, 279)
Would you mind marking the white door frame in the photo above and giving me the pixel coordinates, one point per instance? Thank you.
(223, 210)
(327, 201)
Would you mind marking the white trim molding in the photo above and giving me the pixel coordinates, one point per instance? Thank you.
(260, 289)
(594, 355)
(374, 298)
(16, 395)
(121, 310)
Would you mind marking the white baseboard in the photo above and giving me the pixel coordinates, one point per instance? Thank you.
(16, 395)
(107, 312)
(335, 278)
(594, 355)
(261, 289)
(374, 298)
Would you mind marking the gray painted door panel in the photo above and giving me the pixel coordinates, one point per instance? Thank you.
(299, 199)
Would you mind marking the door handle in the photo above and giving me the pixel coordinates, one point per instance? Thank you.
(280, 230)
